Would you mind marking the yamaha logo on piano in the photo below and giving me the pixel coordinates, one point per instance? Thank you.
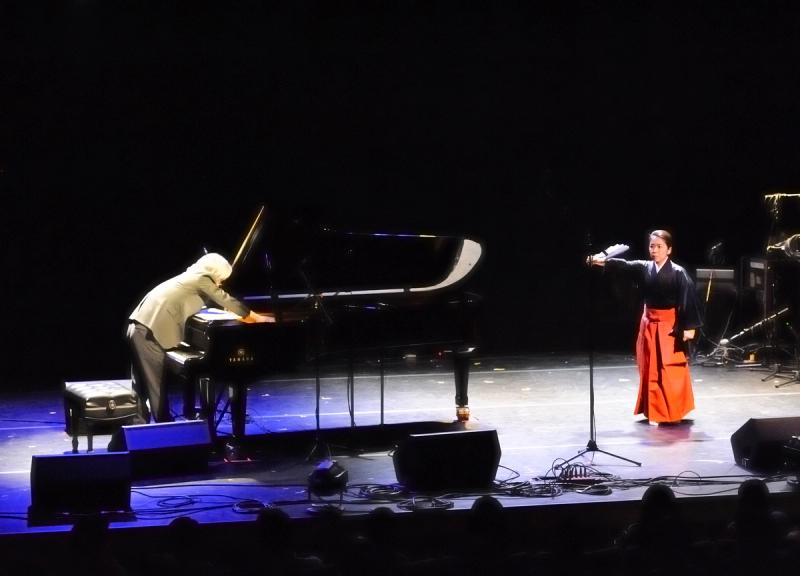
(241, 356)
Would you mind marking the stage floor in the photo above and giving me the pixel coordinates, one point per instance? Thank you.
(539, 405)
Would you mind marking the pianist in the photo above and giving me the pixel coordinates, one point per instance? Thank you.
(157, 323)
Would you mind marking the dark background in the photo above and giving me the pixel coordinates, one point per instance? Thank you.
(136, 133)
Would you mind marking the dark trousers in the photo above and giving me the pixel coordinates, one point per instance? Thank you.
(147, 373)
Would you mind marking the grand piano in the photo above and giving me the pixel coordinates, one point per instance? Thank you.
(336, 296)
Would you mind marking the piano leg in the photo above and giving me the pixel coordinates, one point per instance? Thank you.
(351, 383)
(461, 369)
(208, 404)
(189, 399)
(237, 394)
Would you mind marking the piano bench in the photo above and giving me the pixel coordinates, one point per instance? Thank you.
(189, 366)
(98, 406)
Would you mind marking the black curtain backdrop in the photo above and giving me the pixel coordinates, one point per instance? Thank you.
(136, 133)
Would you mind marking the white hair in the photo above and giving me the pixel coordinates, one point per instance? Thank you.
(212, 264)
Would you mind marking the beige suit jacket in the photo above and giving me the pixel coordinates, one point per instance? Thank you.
(165, 309)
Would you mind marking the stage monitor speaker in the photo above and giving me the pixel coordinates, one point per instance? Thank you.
(758, 443)
(165, 448)
(66, 484)
(447, 461)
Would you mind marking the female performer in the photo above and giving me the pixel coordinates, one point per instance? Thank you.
(669, 320)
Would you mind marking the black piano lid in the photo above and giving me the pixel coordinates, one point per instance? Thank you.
(295, 262)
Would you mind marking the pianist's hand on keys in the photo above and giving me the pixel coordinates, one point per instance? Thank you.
(255, 317)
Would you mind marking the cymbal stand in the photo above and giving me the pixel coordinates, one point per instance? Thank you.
(794, 375)
(725, 352)
(775, 316)
(722, 351)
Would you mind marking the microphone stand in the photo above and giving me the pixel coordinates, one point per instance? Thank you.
(327, 320)
(591, 445)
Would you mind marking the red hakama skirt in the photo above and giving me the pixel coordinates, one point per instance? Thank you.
(665, 387)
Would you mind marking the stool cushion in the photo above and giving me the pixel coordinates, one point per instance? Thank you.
(103, 401)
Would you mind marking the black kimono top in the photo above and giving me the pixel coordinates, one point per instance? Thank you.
(670, 287)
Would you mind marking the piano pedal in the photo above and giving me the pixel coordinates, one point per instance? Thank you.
(234, 453)
(462, 413)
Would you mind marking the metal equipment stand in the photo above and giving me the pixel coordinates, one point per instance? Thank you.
(591, 445)
(726, 353)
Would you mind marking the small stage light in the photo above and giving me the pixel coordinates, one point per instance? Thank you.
(327, 479)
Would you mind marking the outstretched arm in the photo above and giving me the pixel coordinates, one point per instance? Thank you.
(600, 258)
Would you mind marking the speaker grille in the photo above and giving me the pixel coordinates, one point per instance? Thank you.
(758, 443)
(80, 483)
(165, 448)
(457, 461)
